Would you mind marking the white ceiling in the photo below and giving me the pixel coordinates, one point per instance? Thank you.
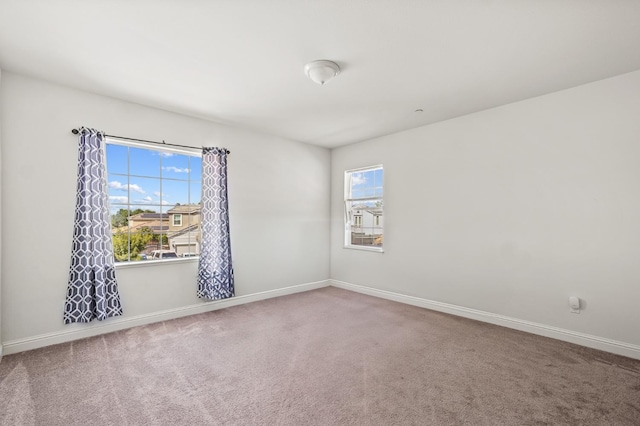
(241, 62)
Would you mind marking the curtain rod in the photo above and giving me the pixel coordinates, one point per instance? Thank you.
(76, 131)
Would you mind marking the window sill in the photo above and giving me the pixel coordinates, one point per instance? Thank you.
(365, 248)
(145, 263)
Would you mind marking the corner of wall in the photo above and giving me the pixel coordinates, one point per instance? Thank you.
(0, 215)
(330, 215)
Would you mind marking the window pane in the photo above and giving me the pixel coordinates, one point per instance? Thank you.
(184, 238)
(144, 191)
(160, 234)
(175, 191)
(366, 183)
(145, 162)
(117, 158)
(120, 244)
(358, 182)
(195, 192)
(175, 166)
(119, 219)
(132, 242)
(366, 222)
(166, 242)
(357, 193)
(368, 178)
(378, 176)
(118, 189)
(196, 168)
(147, 217)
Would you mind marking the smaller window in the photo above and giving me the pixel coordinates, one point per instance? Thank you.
(363, 200)
(177, 219)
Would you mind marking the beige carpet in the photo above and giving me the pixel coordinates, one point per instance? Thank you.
(325, 357)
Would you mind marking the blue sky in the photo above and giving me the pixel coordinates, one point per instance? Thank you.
(367, 183)
(180, 183)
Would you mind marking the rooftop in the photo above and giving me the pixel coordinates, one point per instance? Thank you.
(185, 208)
(150, 216)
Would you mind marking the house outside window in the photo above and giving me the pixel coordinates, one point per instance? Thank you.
(363, 199)
(154, 198)
(184, 235)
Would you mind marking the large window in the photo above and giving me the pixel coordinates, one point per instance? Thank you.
(154, 197)
(363, 200)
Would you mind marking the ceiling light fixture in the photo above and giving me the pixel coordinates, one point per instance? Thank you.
(321, 71)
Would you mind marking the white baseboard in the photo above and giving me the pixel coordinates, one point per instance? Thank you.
(120, 323)
(596, 342)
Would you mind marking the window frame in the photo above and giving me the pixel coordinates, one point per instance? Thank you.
(194, 152)
(348, 198)
(177, 216)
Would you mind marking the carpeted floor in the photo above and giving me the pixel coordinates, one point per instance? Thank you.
(325, 357)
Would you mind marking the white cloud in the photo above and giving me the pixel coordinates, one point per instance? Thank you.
(118, 199)
(124, 187)
(117, 185)
(136, 188)
(163, 154)
(357, 179)
(175, 169)
(158, 194)
(149, 200)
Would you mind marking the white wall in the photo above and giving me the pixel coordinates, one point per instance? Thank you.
(511, 210)
(1, 348)
(279, 207)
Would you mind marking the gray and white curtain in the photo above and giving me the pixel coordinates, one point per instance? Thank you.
(215, 270)
(92, 290)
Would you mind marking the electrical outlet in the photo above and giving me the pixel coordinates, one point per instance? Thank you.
(574, 305)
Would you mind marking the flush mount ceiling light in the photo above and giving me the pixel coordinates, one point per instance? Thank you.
(321, 71)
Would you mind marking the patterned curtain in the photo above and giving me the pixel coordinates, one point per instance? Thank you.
(215, 271)
(92, 290)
